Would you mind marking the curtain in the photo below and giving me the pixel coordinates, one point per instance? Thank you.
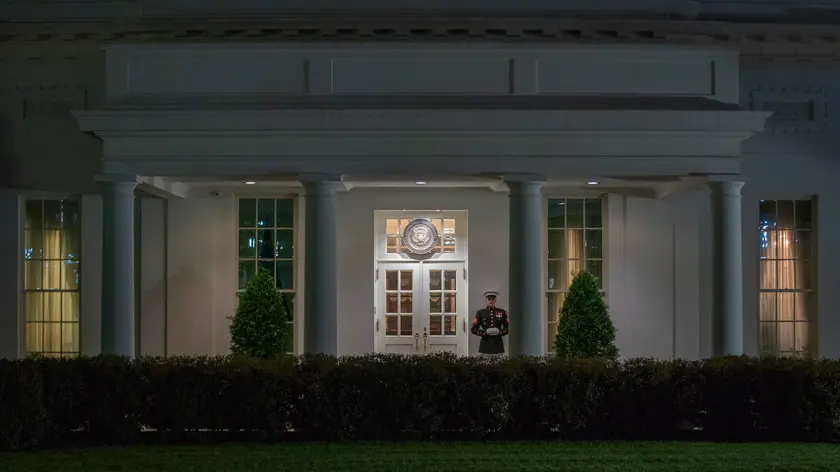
(52, 299)
(786, 310)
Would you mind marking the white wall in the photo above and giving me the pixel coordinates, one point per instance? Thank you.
(201, 275)
(652, 276)
(153, 277)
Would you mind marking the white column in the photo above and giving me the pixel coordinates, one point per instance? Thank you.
(118, 268)
(728, 327)
(319, 317)
(526, 256)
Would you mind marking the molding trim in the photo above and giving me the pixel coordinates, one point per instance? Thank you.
(809, 41)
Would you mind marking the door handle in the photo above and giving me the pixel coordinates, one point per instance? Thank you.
(377, 325)
(416, 342)
(425, 340)
(465, 325)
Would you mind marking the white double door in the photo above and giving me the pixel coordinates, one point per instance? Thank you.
(421, 308)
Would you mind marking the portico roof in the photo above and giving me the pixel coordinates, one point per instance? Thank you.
(552, 136)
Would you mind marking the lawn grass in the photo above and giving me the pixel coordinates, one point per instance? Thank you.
(484, 457)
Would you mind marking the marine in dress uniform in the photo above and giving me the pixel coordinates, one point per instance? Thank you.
(491, 323)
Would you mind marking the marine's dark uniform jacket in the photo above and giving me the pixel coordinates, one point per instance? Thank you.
(485, 319)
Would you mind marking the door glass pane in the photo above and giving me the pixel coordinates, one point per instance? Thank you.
(449, 279)
(435, 305)
(406, 325)
(406, 280)
(449, 326)
(434, 280)
(435, 325)
(406, 303)
(391, 323)
(391, 278)
(391, 303)
(451, 305)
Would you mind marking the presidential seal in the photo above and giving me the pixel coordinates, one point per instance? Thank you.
(420, 236)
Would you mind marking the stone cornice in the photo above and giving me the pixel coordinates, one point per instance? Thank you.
(800, 41)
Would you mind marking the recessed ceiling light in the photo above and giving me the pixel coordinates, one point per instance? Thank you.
(420, 182)
(250, 182)
(593, 182)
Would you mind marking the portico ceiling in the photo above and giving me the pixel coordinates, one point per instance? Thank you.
(200, 186)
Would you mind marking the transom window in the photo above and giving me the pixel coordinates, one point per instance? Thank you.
(395, 228)
(575, 243)
(786, 300)
(267, 241)
(52, 277)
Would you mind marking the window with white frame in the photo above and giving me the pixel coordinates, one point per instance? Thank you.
(266, 240)
(575, 243)
(51, 281)
(787, 310)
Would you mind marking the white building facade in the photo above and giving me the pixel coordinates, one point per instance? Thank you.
(387, 183)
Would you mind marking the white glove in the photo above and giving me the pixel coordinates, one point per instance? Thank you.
(492, 331)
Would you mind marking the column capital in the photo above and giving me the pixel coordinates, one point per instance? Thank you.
(727, 187)
(320, 177)
(321, 184)
(524, 178)
(117, 183)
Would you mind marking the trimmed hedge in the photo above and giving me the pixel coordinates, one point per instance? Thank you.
(107, 400)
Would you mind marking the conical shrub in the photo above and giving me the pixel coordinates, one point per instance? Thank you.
(584, 328)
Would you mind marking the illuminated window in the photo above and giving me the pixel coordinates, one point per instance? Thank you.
(266, 240)
(786, 290)
(52, 245)
(575, 243)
